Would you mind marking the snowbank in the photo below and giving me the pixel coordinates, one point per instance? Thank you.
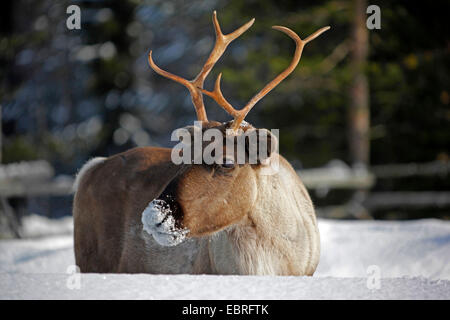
(412, 258)
(400, 248)
(110, 286)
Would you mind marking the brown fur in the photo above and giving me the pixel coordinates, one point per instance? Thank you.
(234, 217)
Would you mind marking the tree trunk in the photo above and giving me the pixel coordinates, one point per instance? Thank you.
(359, 114)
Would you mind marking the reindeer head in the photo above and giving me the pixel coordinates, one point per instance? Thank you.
(207, 197)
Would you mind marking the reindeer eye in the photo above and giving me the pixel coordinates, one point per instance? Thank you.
(227, 163)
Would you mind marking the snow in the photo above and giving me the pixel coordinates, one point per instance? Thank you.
(37, 226)
(157, 220)
(401, 248)
(161, 287)
(412, 258)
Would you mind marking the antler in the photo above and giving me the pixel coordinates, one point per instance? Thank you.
(196, 85)
(239, 115)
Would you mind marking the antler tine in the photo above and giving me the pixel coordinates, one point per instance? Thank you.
(217, 95)
(196, 97)
(239, 115)
(272, 84)
(222, 42)
(196, 85)
(316, 34)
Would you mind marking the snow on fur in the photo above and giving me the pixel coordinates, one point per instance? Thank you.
(158, 221)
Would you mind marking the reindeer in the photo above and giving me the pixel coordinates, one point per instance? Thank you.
(138, 212)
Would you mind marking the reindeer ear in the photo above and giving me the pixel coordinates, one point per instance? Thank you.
(260, 144)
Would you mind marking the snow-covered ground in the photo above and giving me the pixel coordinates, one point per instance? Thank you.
(411, 257)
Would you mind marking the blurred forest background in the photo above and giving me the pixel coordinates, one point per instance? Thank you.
(370, 101)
